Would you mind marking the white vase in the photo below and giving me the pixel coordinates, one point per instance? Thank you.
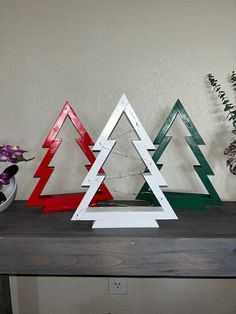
(10, 193)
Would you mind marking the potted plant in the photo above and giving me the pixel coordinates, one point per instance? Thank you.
(8, 187)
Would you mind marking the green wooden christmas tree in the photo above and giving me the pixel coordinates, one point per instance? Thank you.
(176, 199)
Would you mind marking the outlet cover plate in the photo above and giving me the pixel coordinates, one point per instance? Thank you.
(117, 285)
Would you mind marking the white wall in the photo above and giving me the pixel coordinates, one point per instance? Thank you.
(90, 52)
(53, 295)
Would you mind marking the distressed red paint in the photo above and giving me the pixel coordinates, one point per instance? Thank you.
(69, 201)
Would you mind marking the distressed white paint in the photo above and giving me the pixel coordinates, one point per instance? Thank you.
(123, 106)
(130, 223)
(117, 216)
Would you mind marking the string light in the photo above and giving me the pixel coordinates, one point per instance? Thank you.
(115, 152)
(121, 176)
(122, 134)
(120, 192)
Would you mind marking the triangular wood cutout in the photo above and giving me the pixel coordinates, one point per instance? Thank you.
(69, 201)
(120, 217)
(183, 200)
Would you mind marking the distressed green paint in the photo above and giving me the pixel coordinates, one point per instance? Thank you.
(179, 109)
(198, 154)
(176, 199)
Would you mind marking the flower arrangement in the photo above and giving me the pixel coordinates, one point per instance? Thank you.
(230, 109)
(12, 154)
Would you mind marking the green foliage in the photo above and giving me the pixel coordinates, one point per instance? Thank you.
(2, 198)
(230, 151)
(228, 106)
(233, 79)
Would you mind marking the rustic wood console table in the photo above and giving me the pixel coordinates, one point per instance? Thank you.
(199, 244)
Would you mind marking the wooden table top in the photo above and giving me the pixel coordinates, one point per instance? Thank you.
(198, 244)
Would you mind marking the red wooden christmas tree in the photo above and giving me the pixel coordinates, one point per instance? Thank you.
(58, 202)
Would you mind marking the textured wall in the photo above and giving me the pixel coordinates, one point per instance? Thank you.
(90, 52)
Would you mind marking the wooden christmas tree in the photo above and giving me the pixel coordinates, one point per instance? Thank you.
(69, 201)
(184, 200)
(118, 217)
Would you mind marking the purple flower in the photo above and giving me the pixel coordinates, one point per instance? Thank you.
(3, 158)
(19, 153)
(12, 153)
(4, 178)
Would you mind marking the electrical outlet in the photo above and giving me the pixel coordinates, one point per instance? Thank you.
(117, 286)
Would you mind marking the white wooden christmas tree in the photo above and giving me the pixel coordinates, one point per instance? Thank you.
(124, 217)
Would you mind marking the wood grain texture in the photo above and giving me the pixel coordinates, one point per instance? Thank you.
(199, 244)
